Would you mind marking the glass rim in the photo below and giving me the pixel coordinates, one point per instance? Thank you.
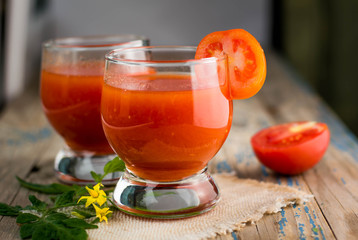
(112, 58)
(74, 43)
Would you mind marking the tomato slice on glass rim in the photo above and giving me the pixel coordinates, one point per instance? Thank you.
(246, 60)
(291, 148)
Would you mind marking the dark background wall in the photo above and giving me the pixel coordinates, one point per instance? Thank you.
(182, 22)
(320, 39)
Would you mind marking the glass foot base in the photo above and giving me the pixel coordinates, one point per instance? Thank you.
(166, 200)
(74, 169)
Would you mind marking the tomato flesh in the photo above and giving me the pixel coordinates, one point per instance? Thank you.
(291, 148)
(246, 60)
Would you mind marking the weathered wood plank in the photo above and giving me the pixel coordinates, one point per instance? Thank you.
(267, 227)
(328, 180)
(18, 139)
(338, 203)
(25, 139)
(249, 232)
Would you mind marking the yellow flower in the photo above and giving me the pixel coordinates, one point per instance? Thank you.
(96, 195)
(102, 213)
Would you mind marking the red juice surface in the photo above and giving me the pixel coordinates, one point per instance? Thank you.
(161, 128)
(71, 100)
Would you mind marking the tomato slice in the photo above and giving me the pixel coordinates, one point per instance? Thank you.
(291, 148)
(246, 60)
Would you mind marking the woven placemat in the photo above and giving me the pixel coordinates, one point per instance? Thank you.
(242, 201)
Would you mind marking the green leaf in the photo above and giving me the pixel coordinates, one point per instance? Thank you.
(36, 203)
(58, 231)
(53, 188)
(65, 199)
(75, 233)
(85, 212)
(26, 218)
(115, 165)
(79, 223)
(53, 225)
(56, 216)
(26, 230)
(82, 191)
(45, 231)
(7, 210)
(96, 220)
(97, 177)
(77, 215)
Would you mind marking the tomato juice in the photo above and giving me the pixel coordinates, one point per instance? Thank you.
(71, 100)
(161, 127)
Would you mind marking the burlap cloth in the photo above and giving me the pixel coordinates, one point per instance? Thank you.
(242, 201)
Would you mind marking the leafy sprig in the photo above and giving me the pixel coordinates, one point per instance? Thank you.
(54, 188)
(66, 217)
(44, 222)
(116, 165)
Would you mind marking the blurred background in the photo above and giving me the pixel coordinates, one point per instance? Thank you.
(317, 38)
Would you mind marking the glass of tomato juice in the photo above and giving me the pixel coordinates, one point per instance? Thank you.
(166, 115)
(71, 85)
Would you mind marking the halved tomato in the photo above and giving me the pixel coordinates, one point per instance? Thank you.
(291, 148)
(246, 60)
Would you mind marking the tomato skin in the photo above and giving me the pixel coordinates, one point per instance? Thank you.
(295, 157)
(246, 60)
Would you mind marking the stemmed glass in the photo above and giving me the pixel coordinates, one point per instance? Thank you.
(166, 115)
(71, 84)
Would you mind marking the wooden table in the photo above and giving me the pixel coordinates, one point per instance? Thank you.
(28, 146)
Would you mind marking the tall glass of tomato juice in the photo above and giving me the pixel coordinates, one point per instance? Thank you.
(71, 85)
(166, 115)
